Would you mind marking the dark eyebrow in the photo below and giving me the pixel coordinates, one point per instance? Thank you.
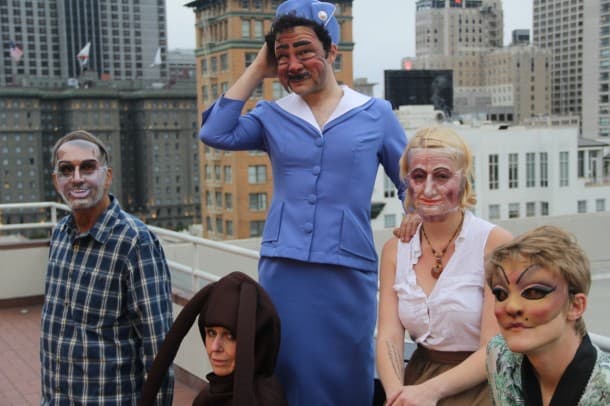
(82, 162)
(526, 270)
(301, 43)
(503, 273)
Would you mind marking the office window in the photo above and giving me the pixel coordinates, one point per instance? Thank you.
(218, 198)
(389, 190)
(204, 65)
(214, 64)
(544, 169)
(245, 29)
(208, 199)
(258, 201)
(208, 223)
(513, 171)
(513, 210)
(224, 62)
(563, 168)
(581, 164)
(228, 174)
(229, 228)
(530, 169)
(228, 201)
(257, 174)
(338, 65)
(582, 206)
(493, 172)
(258, 92)
(544, 208)
(600, 204)
(208, 172)
(258, 29)
(494, 212)
(389, 220)
(219, 225)
(256, 228)
(217, 173)
(249, 58)
(530, 209)
(278, 90)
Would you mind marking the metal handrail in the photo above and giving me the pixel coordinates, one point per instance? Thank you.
(603, 342)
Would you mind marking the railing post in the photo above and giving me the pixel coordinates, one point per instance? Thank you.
(53, 214)
(194, 287)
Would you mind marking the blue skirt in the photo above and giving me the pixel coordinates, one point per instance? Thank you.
(328, 315)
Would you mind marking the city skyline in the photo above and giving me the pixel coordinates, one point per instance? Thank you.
(395, 29)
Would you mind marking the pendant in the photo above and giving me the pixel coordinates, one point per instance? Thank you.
(437, 268)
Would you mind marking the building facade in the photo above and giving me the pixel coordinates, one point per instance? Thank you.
(124, 38)
(518, 171)
(151, 136)
(236, 187)
(596, 72)
(558, 26)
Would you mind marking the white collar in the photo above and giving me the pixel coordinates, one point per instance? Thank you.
(296, 105)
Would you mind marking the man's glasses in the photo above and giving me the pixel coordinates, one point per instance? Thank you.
(86, 168)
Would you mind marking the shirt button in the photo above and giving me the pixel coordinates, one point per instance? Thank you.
(308, 227)
(319, 142)
(311, 199)
(315, 170)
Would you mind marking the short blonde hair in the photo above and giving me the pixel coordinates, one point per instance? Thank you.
(442, 137)
(551, 248)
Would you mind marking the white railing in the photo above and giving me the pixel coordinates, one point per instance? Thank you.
(195, 244)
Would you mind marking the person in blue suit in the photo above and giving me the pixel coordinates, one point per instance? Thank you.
(318, 260)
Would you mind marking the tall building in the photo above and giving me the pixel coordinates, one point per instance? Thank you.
(500, 84)
(454, 35)
(558, 26)
(237, 186)
(124, 38)
(596, 72)
(151, 136)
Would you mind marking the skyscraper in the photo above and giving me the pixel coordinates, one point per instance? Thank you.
(123, 36)
(236, 187)
(558, 26)
(596, 72)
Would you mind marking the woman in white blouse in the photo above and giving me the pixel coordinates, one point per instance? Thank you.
(433, 287)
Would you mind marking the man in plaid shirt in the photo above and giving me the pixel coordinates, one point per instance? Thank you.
(107, 301)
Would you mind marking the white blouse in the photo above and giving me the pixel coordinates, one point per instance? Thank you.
(449, 319)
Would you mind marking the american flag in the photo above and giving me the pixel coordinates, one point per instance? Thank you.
(15, 51)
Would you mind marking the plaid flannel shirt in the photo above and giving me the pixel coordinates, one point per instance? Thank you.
(107, 309)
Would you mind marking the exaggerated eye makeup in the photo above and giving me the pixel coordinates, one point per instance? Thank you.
(439, 176)
(86, 168)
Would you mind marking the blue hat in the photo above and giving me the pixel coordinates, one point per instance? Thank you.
(321, 12)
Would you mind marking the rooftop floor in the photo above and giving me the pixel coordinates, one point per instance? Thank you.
(20, 365)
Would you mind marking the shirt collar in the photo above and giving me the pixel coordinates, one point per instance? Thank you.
(102, 227)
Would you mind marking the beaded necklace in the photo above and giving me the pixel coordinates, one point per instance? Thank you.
(437, 269)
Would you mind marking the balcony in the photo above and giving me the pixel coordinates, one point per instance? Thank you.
(194, 262)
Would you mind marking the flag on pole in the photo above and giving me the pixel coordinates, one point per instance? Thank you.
(15, 51)
(157, 60)
(83, 55)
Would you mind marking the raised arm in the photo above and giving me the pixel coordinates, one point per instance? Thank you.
(390, 332)
(262, 67)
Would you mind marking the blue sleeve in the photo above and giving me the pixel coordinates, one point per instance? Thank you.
(224, 127)
(394, 144)
(150, 301)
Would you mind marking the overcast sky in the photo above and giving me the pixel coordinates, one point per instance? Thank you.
(382, 36)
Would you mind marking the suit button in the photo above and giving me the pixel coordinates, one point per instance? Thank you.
(308, 227)
(311, 199)
(315, 170)
(319, 141)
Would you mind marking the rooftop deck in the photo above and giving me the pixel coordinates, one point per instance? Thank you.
(195, 262)
(20, 366)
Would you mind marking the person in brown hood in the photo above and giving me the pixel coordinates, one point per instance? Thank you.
(241, 331)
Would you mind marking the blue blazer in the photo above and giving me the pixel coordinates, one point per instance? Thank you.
(322, 178)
